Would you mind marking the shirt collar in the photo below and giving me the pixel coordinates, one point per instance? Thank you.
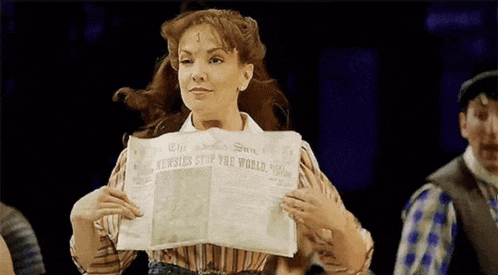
(476, 168)
(250, 125)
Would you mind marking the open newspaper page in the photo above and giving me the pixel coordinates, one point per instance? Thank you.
(212, 186)
(247, 190)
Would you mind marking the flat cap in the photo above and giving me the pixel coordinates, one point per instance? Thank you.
(486, 82)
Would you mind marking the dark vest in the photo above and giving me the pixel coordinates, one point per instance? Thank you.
(476, 244)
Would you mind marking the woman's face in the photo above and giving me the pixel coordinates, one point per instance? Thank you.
(209, 76)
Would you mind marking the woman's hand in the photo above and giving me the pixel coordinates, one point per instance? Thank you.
(313, 209)
(101, 202)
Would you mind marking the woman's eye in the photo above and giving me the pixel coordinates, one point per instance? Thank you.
(216, 60)
(185, 61)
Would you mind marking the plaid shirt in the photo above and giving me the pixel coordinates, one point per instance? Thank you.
(430, 224)
(208, 257)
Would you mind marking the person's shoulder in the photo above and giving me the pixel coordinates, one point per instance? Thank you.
(11, 213)
(6, 209)
(305, 145)
(122, 157)
(447, 170)
(307, 156)
(427, 196)
(123, 153)
(428, 190)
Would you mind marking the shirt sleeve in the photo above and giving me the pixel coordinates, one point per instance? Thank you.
(350, 253)
(428, 231)
(21, 240)
(109, 260)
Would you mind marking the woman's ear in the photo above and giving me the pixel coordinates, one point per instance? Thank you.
(247, 72)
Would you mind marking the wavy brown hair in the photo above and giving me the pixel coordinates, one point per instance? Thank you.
(160, 103)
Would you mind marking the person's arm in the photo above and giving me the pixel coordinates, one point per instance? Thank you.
(21, 240)
(331, 232)
(427, 237)
(6, 265)
(95, 222)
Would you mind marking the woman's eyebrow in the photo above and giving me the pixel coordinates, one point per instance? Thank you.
(210, 51)
(187, 52)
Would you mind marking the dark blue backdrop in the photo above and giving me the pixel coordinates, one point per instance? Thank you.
(372, 88)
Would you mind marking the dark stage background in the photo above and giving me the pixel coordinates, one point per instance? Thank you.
(372, 86)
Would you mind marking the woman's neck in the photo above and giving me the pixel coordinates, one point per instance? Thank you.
(231, 121)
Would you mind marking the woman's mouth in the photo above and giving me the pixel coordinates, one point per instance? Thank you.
(200, 90)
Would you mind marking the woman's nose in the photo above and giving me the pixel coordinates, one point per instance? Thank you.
(199, 72)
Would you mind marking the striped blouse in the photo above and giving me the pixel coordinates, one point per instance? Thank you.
(208, 257)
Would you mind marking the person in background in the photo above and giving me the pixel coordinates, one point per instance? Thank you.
(20, 240)
(213, 76)
(451, 223)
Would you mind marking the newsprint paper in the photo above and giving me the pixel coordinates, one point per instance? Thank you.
(214, 186)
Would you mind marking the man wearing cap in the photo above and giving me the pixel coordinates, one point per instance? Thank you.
(451, 223)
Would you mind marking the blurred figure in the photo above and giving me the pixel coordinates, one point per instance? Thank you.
(20, 239)
(451, 223)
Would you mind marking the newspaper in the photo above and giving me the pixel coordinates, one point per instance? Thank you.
(214, 186)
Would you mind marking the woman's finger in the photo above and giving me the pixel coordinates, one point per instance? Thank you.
(294, 213)
(120, 194)
(123, 210)
(300, 194)
(312, 196)
(123, 203)
(113, 209)
(300, 205)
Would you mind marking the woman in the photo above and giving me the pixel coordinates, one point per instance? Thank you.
(214, 77)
